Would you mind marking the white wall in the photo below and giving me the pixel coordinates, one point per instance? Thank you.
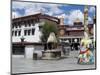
(28, 38)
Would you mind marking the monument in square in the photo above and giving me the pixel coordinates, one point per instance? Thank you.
(52, 51)
(86, 54)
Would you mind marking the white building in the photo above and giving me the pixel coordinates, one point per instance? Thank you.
(28, 27)
(27, 30)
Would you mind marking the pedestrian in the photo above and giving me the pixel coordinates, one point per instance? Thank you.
(63, 49)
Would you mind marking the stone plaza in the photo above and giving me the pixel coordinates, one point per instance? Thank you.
(22, 65)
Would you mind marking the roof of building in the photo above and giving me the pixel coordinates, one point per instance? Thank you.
(71, 26)
(38, 15)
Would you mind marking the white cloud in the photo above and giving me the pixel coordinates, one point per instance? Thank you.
(65, 16)
(90, 20)
(15, 15)
(50, 9)
(56, 10)
(62, 15)
(74, 14)
(33, 8)
(92, 9)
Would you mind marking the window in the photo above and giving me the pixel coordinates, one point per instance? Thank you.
(19, 26)
(29, 31)
(25, 32)
(33, 23)
(37, 20)
(25, 23)
(16, 26)
(29, 24)
(33, 31)
(19, 33)
(12, 33)
(15, 33)
(40, 28)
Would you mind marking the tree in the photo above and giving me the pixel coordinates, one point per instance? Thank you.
(47, 28)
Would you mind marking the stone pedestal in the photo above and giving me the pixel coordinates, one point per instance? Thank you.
(29, 49)
(51, 54)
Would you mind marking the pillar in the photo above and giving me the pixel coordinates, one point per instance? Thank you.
(86, 21)
(62, 20)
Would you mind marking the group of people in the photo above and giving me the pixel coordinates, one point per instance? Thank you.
(74, 46)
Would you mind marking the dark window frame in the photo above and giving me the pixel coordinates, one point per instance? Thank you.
(19, 33)
(15, 33)
(25, 32)
(29, 32)
(33, 30)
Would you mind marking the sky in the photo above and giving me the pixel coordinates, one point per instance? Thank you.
(69, 12)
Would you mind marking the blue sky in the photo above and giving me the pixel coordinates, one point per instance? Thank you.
(69, 12)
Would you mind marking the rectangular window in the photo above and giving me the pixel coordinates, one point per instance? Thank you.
(25, 23)
(29, 24)
(19, 33)
(40, 28)
(15, 33)
(25, 32)
(19, 26)
(29, 31)
(33, 31)
(33, 23)
(16, 26)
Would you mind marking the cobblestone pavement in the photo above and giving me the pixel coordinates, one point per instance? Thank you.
(22, 65)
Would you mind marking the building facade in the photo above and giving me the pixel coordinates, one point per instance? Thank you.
(70, 33)
(27, 31)
(29, 27)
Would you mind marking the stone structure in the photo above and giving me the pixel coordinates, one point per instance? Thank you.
(52, 52)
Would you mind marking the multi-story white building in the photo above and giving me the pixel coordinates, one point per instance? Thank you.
(27, 30)
(28, 27)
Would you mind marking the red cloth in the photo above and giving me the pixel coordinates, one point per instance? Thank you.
(82, 52)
